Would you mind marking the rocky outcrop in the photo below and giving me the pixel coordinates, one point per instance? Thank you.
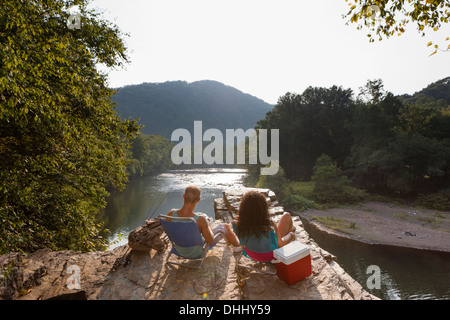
(126, 274)
(147, 237)
(328, 279)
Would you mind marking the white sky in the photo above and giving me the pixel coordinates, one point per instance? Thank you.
(267, 47)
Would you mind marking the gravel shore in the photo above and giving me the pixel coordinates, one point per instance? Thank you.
(386, 223)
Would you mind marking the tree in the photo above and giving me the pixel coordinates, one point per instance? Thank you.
(61, 141)
(327, 175)
(399, 149)
(387, 18)
(405, 166)
(373, 91)
(330, 185)
(150, 154)
(310, 124)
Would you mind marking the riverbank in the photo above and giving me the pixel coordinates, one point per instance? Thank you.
(386, 224)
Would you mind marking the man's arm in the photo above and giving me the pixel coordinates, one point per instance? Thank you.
(205, 230)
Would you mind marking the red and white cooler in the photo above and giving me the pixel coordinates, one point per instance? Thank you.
(293, 262)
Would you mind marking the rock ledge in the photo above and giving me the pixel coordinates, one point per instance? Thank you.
(46, 274)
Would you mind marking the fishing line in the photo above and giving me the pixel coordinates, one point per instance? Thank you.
(160, 203)
(150, 208)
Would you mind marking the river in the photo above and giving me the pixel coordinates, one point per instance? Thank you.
(151, 196)
(406, 274)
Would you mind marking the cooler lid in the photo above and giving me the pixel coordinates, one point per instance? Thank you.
(291, 252)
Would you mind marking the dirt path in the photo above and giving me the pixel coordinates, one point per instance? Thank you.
(386, 223)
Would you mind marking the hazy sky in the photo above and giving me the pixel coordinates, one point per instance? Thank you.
(267, 48)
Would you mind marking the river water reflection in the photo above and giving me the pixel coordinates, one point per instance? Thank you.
(129, 208)
(405, 273)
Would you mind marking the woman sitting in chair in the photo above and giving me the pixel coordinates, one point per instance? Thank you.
(257, 232)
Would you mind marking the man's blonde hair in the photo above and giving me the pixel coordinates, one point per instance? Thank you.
(192, 194)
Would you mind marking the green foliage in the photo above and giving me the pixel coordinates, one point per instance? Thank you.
(275, 181)
(292, 194)
(388, 18)
(61, 142)
(310, 124)
(298, 202)
(373, 91)
(435, 92)
(150, 154)
(388, 145)
(304, 188)
(330, 186)
(400, 149)
(439, 200)
(327, 175)
(405, 165)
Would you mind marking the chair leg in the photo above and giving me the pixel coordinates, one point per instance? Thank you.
(187, 265)
(206, 248)
(252, 268)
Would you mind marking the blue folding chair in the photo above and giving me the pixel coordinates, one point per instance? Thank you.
(186, 240)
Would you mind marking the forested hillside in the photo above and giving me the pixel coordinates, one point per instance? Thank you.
(164, 107)
(438, 91)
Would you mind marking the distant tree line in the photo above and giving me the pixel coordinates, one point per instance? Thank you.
(395, 146)
(148, 155)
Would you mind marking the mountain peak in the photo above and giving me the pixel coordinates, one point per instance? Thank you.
(164, 107)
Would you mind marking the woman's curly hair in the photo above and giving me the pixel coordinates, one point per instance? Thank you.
(253, 215)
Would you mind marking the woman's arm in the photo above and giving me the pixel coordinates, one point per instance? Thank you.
(275, 227)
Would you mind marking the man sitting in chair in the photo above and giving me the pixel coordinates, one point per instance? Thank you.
(191, 197)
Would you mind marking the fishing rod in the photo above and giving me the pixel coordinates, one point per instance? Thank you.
(163, 200)
(150, 208)
(126, 255)
(160, 203)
